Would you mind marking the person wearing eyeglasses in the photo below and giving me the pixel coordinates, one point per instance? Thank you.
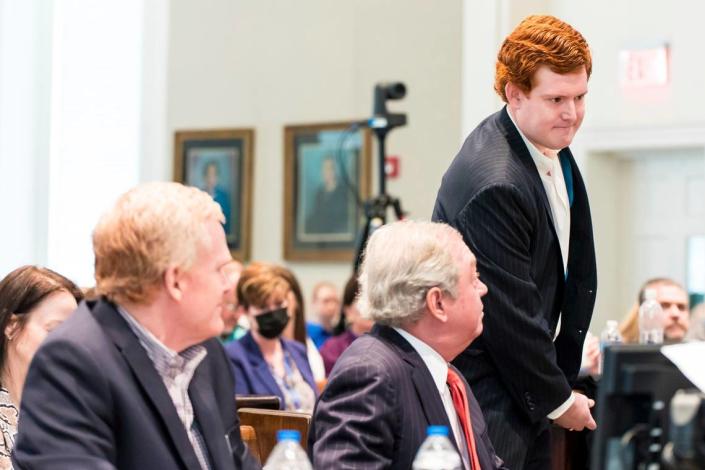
(264, 362)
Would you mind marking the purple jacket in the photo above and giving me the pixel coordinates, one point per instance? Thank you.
(252, 375)
(334, 347)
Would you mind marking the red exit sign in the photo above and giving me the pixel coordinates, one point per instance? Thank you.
(645, 67)
(392, 167)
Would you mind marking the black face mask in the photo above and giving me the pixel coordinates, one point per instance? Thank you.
(271, 323)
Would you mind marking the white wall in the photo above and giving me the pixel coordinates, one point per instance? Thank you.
(70, 123)
(610, 26)
(648, 203)
(266, 63)
(95, 123)
(628, 138)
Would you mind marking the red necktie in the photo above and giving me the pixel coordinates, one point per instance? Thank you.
(460, 402)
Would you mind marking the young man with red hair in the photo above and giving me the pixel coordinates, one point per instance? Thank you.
(515, 193)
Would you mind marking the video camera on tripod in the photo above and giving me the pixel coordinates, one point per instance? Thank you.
(381, 123)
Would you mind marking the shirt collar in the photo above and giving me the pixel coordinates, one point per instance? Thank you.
(166, 360)
(437, 366)
(544, 164)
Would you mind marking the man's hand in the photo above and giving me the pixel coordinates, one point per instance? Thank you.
(578, 416)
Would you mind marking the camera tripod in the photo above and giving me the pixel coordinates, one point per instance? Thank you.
(376, 208)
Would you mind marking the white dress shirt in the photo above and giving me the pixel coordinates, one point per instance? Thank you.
(438, 368)
(549, 168)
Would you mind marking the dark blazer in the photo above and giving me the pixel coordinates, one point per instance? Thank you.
(375, 409)
(492, 193)
(252, 374)
(93, 400)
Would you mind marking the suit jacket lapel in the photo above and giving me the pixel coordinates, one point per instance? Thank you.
(208, 417)
(260, 367)
(519, 147)
(581, 238)
(426, 389)
(150, 381)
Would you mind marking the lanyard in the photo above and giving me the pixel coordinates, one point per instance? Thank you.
(287, 384)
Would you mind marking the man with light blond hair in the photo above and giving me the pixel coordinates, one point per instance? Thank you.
(136, 379)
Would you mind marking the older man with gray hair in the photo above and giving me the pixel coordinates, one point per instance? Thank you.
(136, 379)
(420, 285)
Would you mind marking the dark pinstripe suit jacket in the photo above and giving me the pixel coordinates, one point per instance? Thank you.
(492, 193)
(379, 400)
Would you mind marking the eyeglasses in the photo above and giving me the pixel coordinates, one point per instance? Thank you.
(230, 272)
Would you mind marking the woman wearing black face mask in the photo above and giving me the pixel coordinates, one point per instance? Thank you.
(264, 362)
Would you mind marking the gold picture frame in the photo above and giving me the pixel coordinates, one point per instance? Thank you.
(326, 179)
(220, 162)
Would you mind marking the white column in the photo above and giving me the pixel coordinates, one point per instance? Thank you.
(25, 29)
(95, 123)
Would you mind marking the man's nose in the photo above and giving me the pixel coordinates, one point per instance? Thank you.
(569, 113)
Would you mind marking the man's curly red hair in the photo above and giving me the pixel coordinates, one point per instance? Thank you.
(539, 40)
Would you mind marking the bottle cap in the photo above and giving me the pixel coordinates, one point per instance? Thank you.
(437, 431)
(288, 435)
(650, 294)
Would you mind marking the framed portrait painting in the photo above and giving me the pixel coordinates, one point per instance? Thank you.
(220, 163)
(326, 179)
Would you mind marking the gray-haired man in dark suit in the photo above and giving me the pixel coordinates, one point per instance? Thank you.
(419, 284)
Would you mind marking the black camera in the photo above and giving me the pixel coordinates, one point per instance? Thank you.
(382, 118)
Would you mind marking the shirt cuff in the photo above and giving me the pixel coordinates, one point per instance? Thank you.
(558, 412)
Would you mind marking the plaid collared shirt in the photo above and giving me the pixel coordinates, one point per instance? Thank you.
(176, 371)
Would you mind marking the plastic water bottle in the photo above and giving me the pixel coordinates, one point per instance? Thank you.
(650, 319)
(610, 335)
(288, 454)
(437, 452)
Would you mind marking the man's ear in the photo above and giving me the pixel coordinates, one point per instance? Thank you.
(435, 304)
(174, 282)
(514, 95)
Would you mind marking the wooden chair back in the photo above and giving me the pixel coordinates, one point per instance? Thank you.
(266, 423)
(270, 402)
(249, 437)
